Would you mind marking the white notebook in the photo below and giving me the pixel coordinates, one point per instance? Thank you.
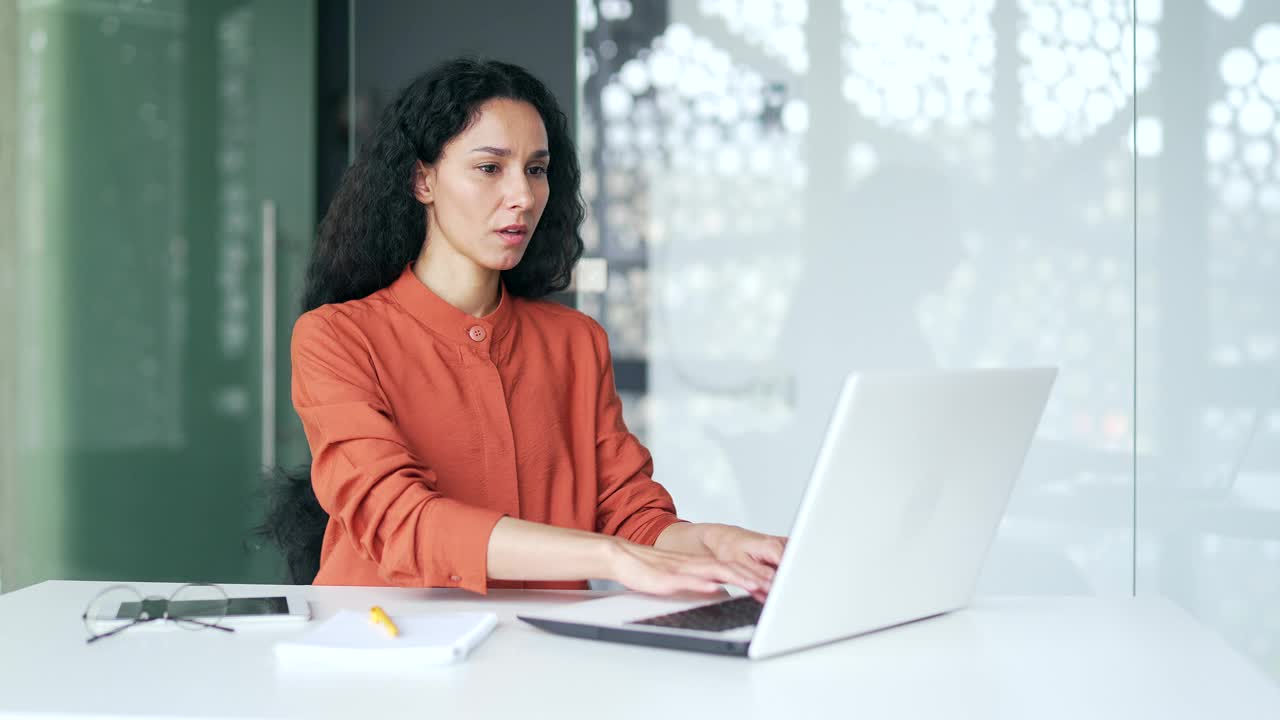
(351, 641)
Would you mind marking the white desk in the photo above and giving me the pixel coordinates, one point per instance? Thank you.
(1006, 658)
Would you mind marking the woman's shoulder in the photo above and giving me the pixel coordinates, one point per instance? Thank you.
(352, 318)
(560, 319)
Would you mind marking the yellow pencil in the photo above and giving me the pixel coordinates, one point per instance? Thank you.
(379, 617)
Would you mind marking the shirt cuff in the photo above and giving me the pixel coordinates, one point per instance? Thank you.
(645, 526)
(456, 549)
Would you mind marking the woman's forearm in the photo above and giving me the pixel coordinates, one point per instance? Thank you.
(523, 550)
(685, 537)
(679, 562)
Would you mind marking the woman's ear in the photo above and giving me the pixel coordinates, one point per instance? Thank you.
(424, 178)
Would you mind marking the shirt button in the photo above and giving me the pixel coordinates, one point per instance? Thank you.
(476, 332)
(455, 578)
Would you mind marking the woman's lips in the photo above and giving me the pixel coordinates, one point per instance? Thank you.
(514, 234)
(512, 238)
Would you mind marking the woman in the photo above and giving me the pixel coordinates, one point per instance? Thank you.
(463, 432)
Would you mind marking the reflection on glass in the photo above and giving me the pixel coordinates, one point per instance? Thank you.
(1079, 70)
(1241, 146)
(696, 147)
(911, 66)
(774, 26)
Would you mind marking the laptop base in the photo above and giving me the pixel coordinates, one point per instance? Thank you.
(639, 637)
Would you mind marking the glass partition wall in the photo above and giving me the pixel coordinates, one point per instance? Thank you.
(787, 190)
(162, 203)
(1208, 334)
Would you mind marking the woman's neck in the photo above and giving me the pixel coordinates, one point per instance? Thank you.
(458, 281)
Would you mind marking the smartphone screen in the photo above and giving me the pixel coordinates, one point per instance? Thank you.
(277, 605)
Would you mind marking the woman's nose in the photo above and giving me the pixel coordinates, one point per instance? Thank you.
(519, 193)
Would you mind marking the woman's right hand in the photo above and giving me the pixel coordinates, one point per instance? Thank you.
(662, 572)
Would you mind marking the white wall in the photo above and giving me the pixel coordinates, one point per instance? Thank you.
(952, 184)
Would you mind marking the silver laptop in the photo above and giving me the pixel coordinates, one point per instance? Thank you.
(906, 495)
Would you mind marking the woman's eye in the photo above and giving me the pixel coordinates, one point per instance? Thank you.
(489, 169)
(537, 170)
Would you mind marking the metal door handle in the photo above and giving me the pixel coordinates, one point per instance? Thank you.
(268, 333)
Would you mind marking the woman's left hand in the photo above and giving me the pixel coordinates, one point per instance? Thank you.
(762, 553)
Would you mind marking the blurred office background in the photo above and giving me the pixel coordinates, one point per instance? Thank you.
(780, 190)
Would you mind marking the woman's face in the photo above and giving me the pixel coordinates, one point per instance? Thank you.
(486, 192)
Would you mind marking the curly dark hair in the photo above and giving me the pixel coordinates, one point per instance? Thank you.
(375, 226)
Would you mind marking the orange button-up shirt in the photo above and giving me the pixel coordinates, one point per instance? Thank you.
(427, 425)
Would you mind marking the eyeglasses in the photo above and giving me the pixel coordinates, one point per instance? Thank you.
(194, 606)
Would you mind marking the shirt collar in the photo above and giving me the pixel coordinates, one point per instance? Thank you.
(447, 320)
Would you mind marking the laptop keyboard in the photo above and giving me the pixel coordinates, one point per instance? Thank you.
(727, 615)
